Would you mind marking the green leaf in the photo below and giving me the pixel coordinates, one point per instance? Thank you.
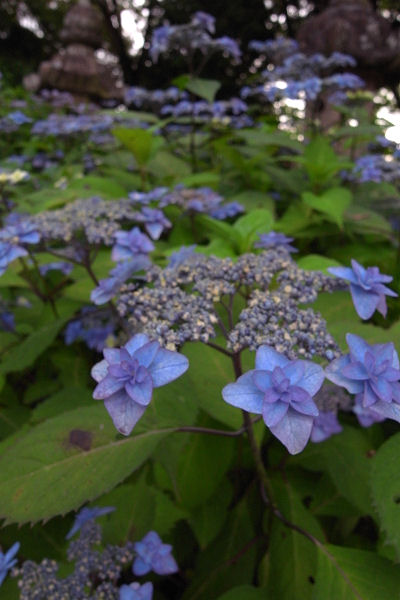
(255, 222)
(66, 461)
(332, 203)
(291, 554)
(25, 354)
(228, 561)
(98, 185)
(352, 574)
(204, 88)
(65, 400)
(346, 458)
(219, 372)
(385, 487)
(141, 142)
(207, 520)
(220, 229)
(316, 262)
(244, 592)
(202, 467)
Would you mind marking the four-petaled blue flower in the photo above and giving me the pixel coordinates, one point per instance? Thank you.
(153, 555)
(126, 378)
(7, 560)
(366, 287)
(12, 237)
(274, 239)
(131, 243)
(86, 514)
(135, 591)
(281, 391)
(325, 425)
(370, 372)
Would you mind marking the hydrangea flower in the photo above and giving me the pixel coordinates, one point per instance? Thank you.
(366, 287)
(86, 514)
(370, 372)
(8, 560)
(281, 391)
(153, 555)
(325, 425)
(109, 287)
(135, 591)
(126, 378)
(12, 237)
(274, 239)
(130, 244)
(154, 221)
(366, 416)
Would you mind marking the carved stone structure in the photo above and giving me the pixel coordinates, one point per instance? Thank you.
(76, 68)
(353, 27)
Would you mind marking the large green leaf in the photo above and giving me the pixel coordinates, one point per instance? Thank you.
(25, 354)
(385, 484)
(141, 142)
(255, 222)
(209, 372)
(292, 557)
(244, 592)
(203, 465)
(346, 458)
(205, 88)
(332, 203)
(65, 461)
(352, 574)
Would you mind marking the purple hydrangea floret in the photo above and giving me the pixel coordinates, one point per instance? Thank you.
(325, 425)
(108, 288)
(280, 390)
(135, 591)
(131, 243)
(126, 378)
(372, 373)
(274, 239)
(366, 287)
(86, 514)
(153, 555)
(8, 560)
(155, 222)
(12, 238)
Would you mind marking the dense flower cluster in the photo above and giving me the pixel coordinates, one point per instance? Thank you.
(183, 303)
(97, 572)
(191, 37)
(292, 74)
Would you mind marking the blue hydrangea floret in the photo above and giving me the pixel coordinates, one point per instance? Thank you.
(153, 555)
(126, 378)
(85, 515)
(367, 288)
(8, 560)
(135, 591)
(372, 373)
(280, 390)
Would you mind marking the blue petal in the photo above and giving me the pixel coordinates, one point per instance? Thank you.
(140, 567)
(244, 394)
(99, 370)
(165, 565)
(145, 354)
(294, 431)
(343, 273)
(365, 302)
(273, 413)
(138, 340)
(167, 366)
(369, 396)
(262, 380)
(389, 411)
(267, 359)
(382, 389)
(294, 371)
(334, 372)
(107, 387)
(140, 392)
(355, 371)
(112, 355)
(313, 377)
(124, 412)
(358, 347)
(306, 407)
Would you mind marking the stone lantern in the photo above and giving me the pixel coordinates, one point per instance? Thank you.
(76, 68)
